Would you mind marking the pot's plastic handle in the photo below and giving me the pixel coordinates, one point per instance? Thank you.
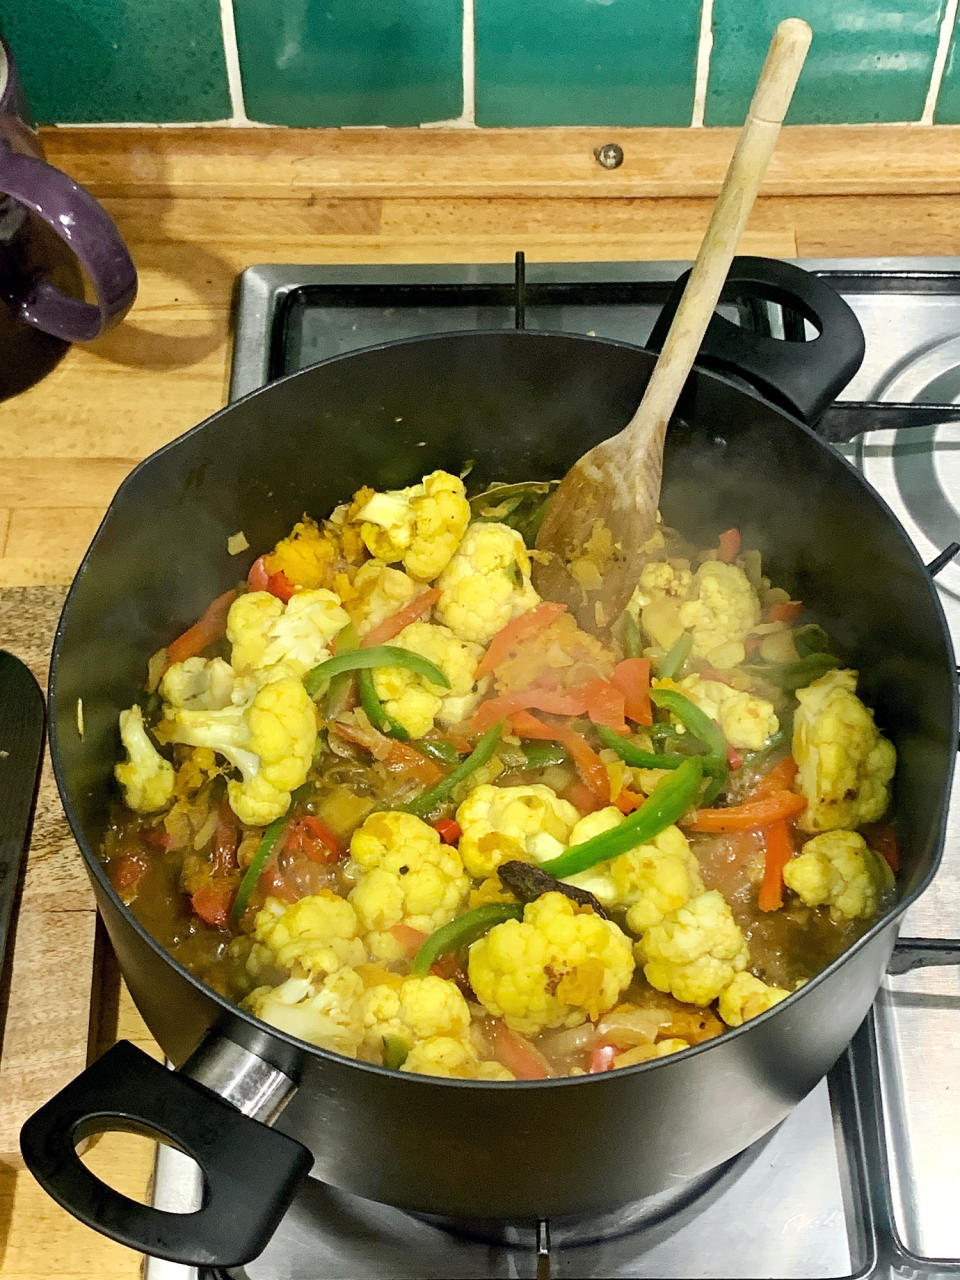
(802, 377)
(250, 1172)
(86, 227)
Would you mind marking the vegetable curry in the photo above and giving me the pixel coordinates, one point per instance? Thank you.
(395, 804)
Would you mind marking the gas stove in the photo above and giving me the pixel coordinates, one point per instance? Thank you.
(862, 1179)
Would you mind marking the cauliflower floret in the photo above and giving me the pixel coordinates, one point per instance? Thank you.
(747, 721)
(265, 633)
(556, 967)
(315, 936)
(723, 610)
(416, 701)
(412, 1009)
(146, 778)
(651, 879)
(308, 555)
(421, 525)
(324, 1014)
(838, 868)
(486, 584)
(270, 738)
(202, 684)
(844, 763)
(379, 592)
(658, 579)
(747, 997)
(695, 951)
(453, 1059)
(404, 874)
(504, 823)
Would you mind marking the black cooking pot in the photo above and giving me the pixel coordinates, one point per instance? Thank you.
(516, 405)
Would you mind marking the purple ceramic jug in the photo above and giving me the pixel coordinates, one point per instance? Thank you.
(50, 229)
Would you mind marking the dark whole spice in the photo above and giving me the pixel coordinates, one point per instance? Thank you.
(529, 883)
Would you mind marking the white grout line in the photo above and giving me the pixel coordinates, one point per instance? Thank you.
(228, 27)
(704, 49)
(467, 119)
(939, 62)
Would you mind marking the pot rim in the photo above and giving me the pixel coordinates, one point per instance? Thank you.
(96, 868)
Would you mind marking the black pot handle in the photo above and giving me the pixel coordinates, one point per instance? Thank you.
(801, 377)
(250, 1171)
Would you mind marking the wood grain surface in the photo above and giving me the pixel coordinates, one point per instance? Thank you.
(196, 207)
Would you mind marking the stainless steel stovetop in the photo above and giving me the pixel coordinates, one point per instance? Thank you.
(863, 1179)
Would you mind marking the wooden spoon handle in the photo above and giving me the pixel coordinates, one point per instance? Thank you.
(771, 98)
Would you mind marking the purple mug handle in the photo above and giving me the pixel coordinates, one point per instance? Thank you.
(85, 226)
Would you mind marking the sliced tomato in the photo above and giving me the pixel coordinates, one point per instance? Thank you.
(881, 838)
(589, 765)
(409, 938)
(785, 611)
(518, 1055)
(632, 678)
(279, 585)
(259, 575)
(602, 1058)
(212, 903)
(312, 837)
(127, 872)
(516, 633)
(223, 855)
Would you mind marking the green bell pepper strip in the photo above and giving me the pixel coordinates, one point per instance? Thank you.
(462, 931)
(703, 728)
(811, 639)
(339, 689)
(675, 657)
(377, 714)
(438, 749)
(378, 655)
(630, 637)
(670, 800)
(635, 756)
(797, 675)
(435, 795)
(540, 755)
(268, 842)
(395, 1051)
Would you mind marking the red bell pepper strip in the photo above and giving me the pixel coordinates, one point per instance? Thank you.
(409, 938)
(393, 625)
(734, 758)
(279, 585)
(516, 633)
(781, 777)
(744, 817)
(312, 837)
(259, 574)
(589, 765)
(778, 850)
(223, 855)
(632, 678)
(881, 839)
(127, 872)
(518, 1055)
(448, 830)
(728, 545)
(599, 699)
(211, 626)
(261, 579)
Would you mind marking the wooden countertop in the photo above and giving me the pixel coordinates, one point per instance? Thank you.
(197, 206)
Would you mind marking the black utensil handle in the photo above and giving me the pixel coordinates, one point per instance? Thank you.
(250, 1172)
(802, 377)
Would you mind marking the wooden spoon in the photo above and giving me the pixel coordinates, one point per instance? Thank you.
(606, 505)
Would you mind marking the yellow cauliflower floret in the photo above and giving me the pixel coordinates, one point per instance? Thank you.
(747, 721)
(499, 824)
(486, 584)
(316, 935)
(199, 766)
(416, 701)
(379, 592)
(412, 1009)
(837, 868)
(722, 611)
(200, 683)
(453, 1059)
(307, 555)
(421, 525)
(556, 967)
(651, 879)
(747, 997)
(695, 951)
(404, 874)
(324, 1013)
(645, 1052)
(146, 778)
(843, 762)
(270, 739)
(264, 632)
(658, 579)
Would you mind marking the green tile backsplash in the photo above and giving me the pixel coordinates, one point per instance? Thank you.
(96, 60)
(329, 62)
(630, 62)
(533, 62)
(868, 61)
